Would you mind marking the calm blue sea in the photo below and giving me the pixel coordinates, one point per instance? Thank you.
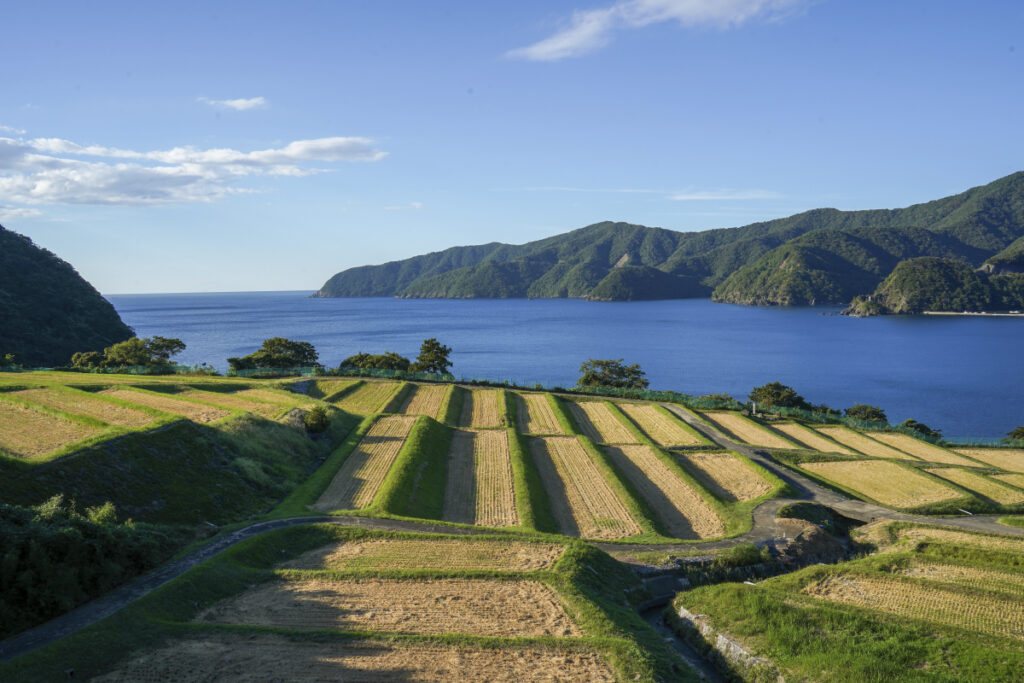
(962, 375)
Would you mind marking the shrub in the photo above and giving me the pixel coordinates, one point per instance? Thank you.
(316, 420)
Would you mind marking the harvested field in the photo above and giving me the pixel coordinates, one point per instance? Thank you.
(921, 449)
(582, 502)
(666, 431)
(812, 439)
(481, 409)
(747, 431)
(262, 657)
(975, 577)
(84, 403)
(886, 482)
(369, 398)
(479, 489)
(482, 607)
(383, 554)
(598, 422)
(31, 434)
(283, 398)
(425, 399)
(535, 415)
(193, 411)
(325, 388)
(234, 402)
(360, 476)
(964, 538)
(1009, 459)
(989, 614)
(972, 481)
(1011, 479)
(864, 444)
(681, 509)
(726, 476)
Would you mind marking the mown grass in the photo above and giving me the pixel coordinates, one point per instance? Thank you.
(1012, 520)
(415, 484)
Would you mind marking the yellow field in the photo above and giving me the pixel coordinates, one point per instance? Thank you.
(681, 509)
(31, 434)
(989, 614)
(747, 431)
(884, 481)
(975, 577)
(261, 656)
(597, 421)
(726, 475)
(964, 538)
(383, 554)
(582, 502)
(369, 398)
(84, 403)
(482, 607)
(234, 402)
(972, 481)
(357, 481)
(812, 439)
(535, 416)
(666, 431)
(1011, 479)
(481, 409)
(324, 389)
(922, 449)
(479, 488)
(283, 398)
(193, 411)
(1009, 459)
(864, 444)
(425, 399)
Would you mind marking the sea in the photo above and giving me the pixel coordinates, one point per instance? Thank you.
(962, 375)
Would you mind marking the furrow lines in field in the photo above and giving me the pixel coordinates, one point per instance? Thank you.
(479, 489)
(425, 399)
(665, 430)
(31, 434)
(884, 481)
(746, 431)
(381, 554)
(359, 478)
(812, 439)
(83, 403)
(975, 577)
(921, 449)
(598, 422)
(233, 402)
(1009, 459)
(193, 411)
(1011, 479)
(726, 476)
(963, 538)
(535, 415)
(480, 409)
(283, 398)
(972, 481)
(369, 398)
(864, 444)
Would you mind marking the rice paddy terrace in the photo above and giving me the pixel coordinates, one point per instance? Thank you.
(521, 493)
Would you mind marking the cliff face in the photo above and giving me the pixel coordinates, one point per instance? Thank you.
(47, 310)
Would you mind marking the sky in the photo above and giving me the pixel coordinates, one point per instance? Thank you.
(243, 146)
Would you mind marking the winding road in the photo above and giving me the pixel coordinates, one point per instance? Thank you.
(763, 529)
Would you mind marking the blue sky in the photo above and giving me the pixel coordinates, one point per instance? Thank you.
(257, 146)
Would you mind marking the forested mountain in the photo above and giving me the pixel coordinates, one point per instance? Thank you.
(819, 256)
(47, 311)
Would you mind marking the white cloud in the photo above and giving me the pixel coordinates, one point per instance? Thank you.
(411, 206)
(14, 212)
(58, 171)
(9, 129)
(591, 29)
(241, 104)
(719, 195)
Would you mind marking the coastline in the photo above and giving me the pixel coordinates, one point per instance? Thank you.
(976, 313)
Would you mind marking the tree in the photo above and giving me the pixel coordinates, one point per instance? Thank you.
(148, 351)
(389, 360)
(87, 359)
(611, 373)
(863, 411)
(1017, 434)
(920, 428)
(278, 352)
(7, 361)
(433, 357)
(316, 420)
(778, 395)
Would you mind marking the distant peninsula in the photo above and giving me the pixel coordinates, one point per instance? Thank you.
(819, 257)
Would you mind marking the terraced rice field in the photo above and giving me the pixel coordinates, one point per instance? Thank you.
(665, 430)
(582, 502)
(1011, 479)
(812, 439)
(369, 398)
(972, 481)
(1009, 459)
(922, 449)
(885, 482)
(726, 476)
(747, 431)
(196, 412)
(482, 409)
(360, 476)
(963, 538)
(30, 433)
(324, 389)
(442, 554)
(982, 613)
(84, 403)
(287, 399)
(479, 489)
(598, 422)
(535, 416)
(482, 607)
(681, 509)
(234, 402)
(864, 444)
(975, 577)
(264, 656)
(425, 400)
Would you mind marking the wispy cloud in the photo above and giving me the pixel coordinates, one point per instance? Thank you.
(57, 171)
(9, 129)
(591, 29)
(411, 206)
(241, 104)
(8, 213)
(560, 188)
(723, 195)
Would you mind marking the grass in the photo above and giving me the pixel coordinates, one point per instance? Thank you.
(532, 505)
(451, 406)
(415, 484)
(1012, 520)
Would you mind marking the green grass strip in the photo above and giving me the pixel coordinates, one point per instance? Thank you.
(398, 398)
(532, 502)
(415, 484)
(451, 406)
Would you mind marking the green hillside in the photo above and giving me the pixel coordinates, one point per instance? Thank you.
(819, 256)
(1009, 260)
(48, 311)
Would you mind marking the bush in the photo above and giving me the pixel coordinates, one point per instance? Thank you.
(862, 411)
(316, 420)
(778, 395)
